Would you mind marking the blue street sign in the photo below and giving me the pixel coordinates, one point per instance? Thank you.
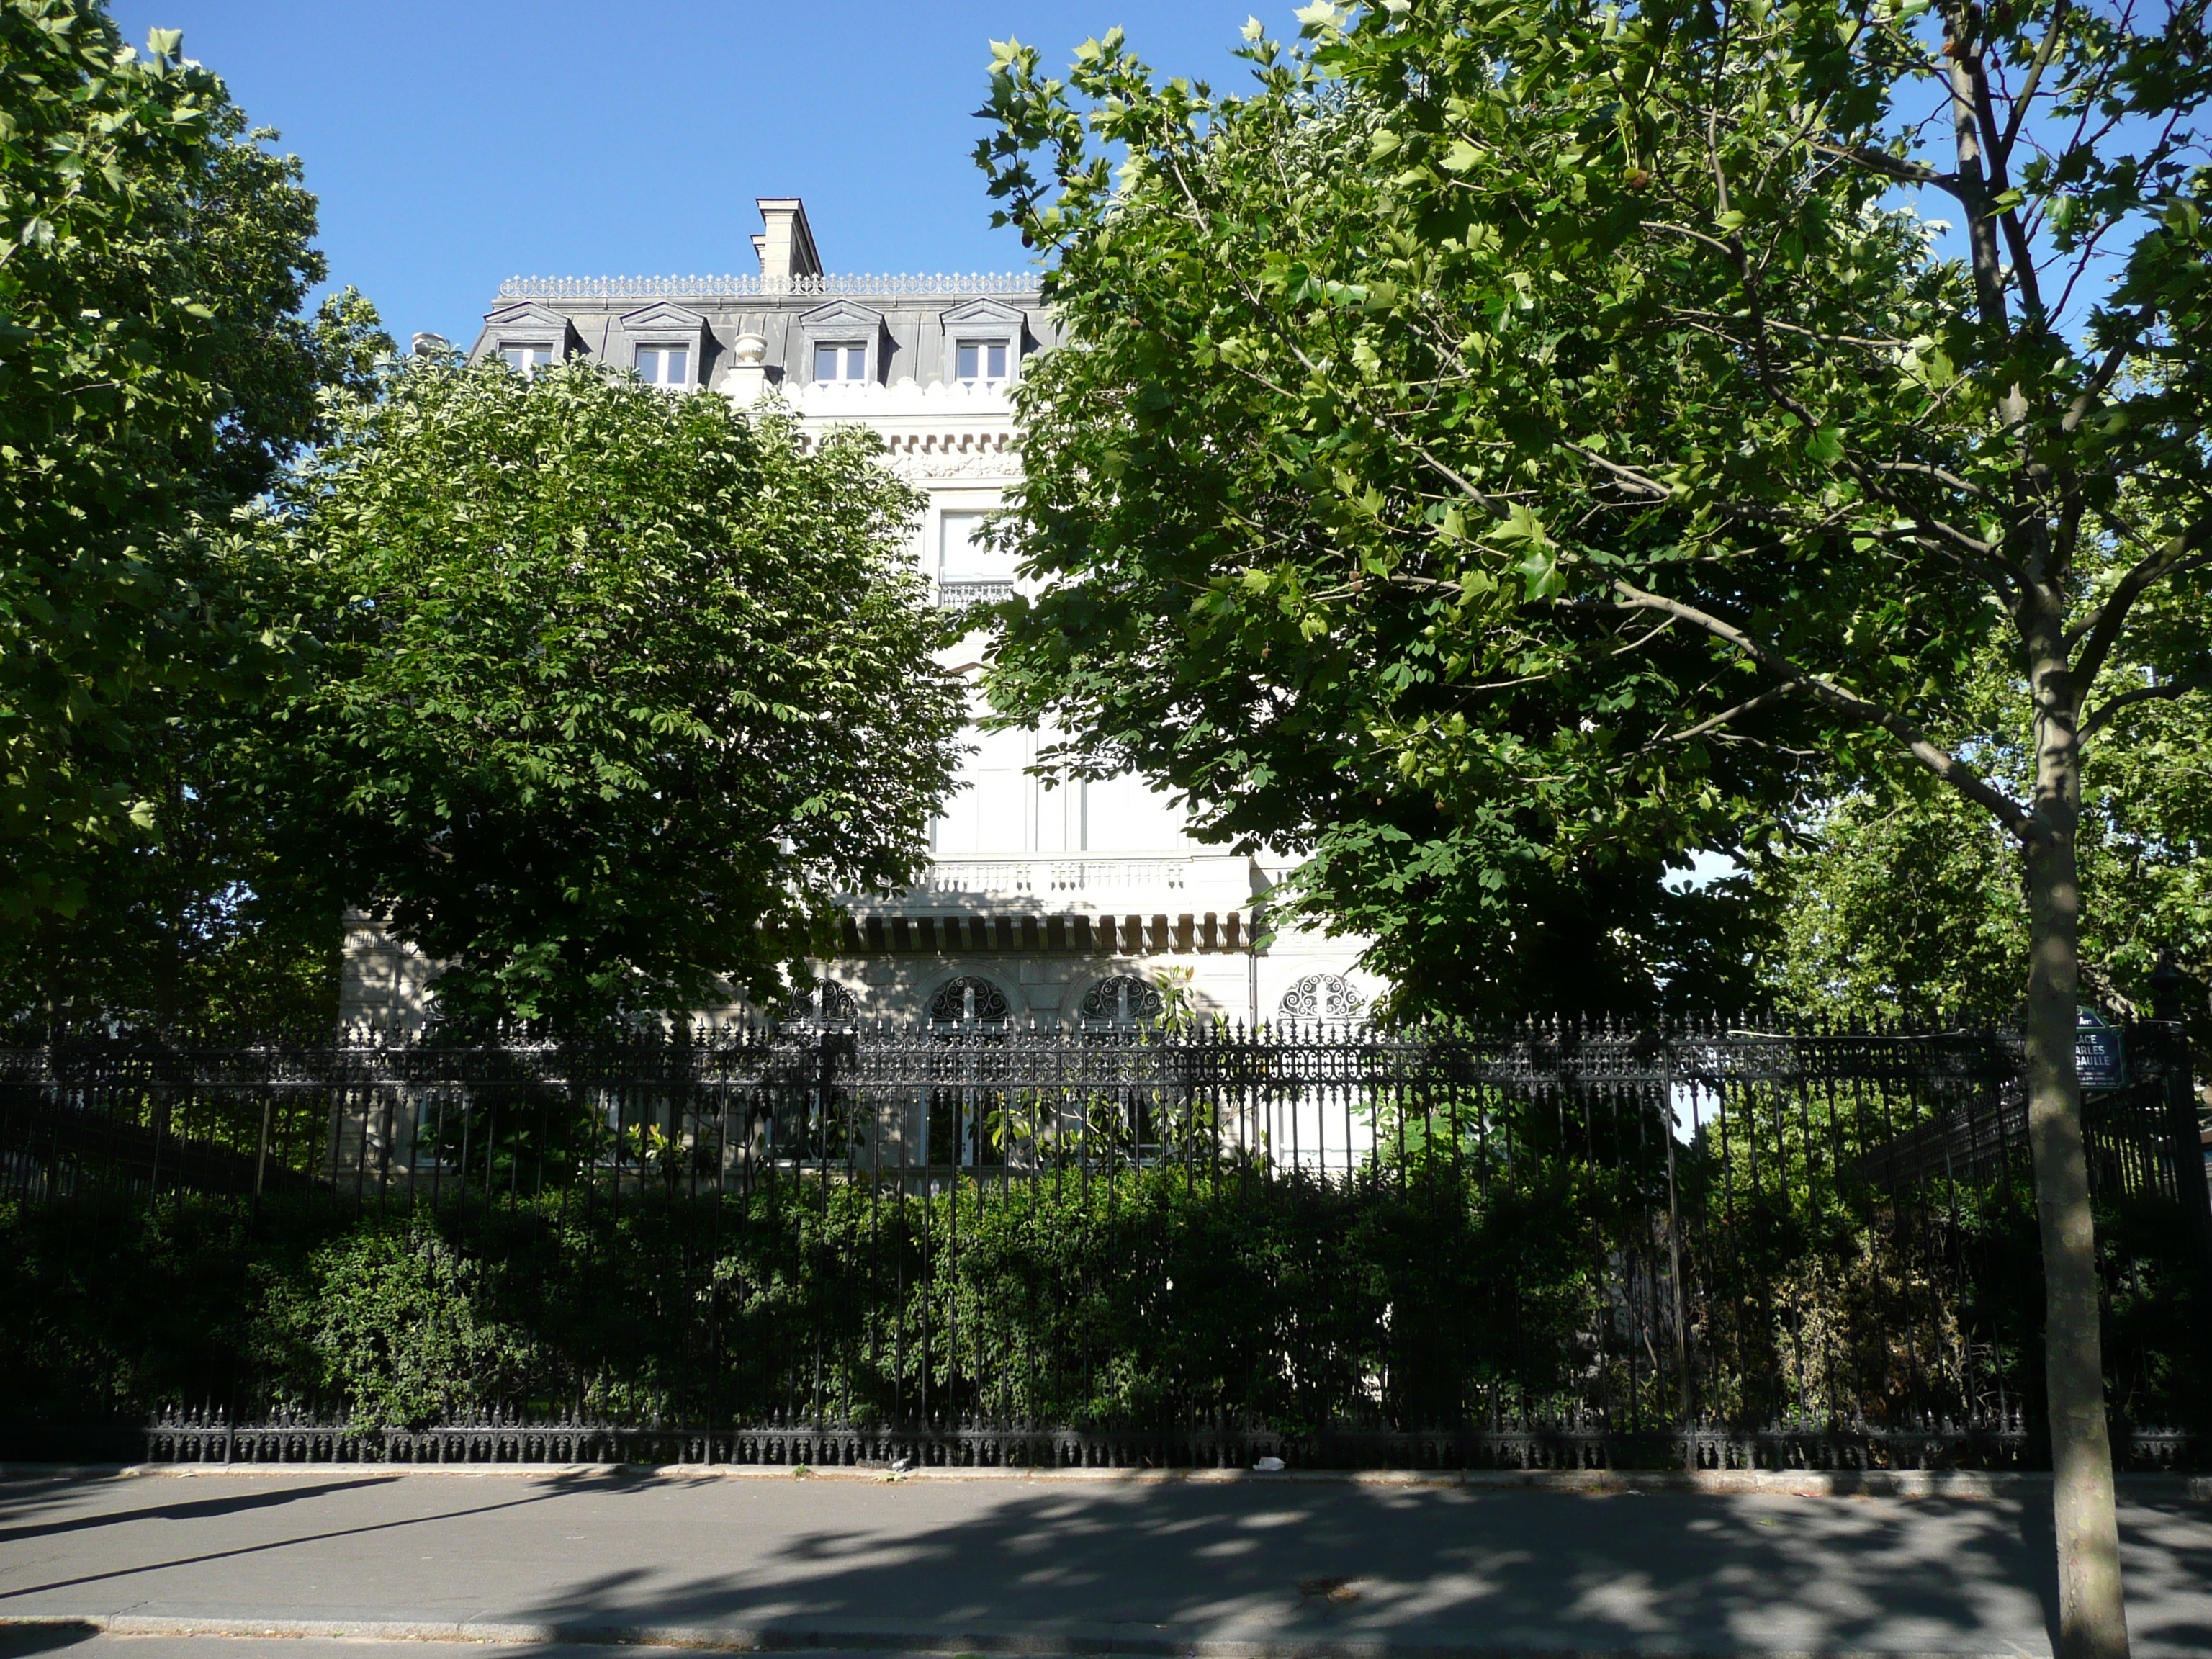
(2100, 1053)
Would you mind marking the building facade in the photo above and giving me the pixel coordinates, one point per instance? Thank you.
(1061, 903)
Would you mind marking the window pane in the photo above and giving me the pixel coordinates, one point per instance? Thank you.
(825, 362)
(961, 554)
(649, 364)
(856, 362)
(676, 367)
(513, 356)
(966, 368)
(541, 356)
(998, 361)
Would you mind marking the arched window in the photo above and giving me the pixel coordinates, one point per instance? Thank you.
(1118, 1120)
(829, 1004)
(1322, 996)
(1121, 1000)
(814, 1121)
(968, 998)
(967, 1125)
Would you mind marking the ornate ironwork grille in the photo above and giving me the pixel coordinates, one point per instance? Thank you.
(976, 1241)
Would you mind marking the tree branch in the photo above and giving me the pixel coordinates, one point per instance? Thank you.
(2101, 629)
(1772, 694)
(1985, 115)
(1890, 166)
(2166, 692)
(1935, 473)
(1641, 482)
(1882, 343)
(2101, 377)
(2046, 50)
(1945, 765)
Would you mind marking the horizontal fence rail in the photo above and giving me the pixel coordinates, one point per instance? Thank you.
(967, 1243)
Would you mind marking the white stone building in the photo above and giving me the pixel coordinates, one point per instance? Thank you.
(1053, 902)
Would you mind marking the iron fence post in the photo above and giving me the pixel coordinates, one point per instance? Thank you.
(1670, 1073)
(2178, 1076)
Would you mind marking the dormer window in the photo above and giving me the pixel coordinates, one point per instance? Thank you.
(982, 345)
(842, 344)
(664, 364)
(526, 336)
(666, 344)
(980, 361)
(840, 361)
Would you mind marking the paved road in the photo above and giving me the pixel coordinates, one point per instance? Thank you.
(79, 1640)
(84, 1641)
(1250, 1568)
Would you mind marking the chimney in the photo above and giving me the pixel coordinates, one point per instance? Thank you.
(787, 246)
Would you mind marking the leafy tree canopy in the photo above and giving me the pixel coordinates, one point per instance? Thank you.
(618, 691)
(155, 374)
(1265, 585)
(1586, 377)
(1455, 467)
(1896, 899)
(204, 925)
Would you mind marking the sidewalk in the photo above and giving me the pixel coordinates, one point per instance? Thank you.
(1250, 1569)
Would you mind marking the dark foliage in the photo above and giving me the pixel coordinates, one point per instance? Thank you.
(1140, 1300)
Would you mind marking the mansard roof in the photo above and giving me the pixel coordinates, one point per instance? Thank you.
(913, 325)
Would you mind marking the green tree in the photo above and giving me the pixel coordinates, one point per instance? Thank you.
(618, 690)
(203, 922)
(1611, 337)
(154, 373)
(1247, 602)
(1899, 899)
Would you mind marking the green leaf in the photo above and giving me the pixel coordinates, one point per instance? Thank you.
(1520, 525)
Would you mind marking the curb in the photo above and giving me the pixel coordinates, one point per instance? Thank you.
(1092, 1639)
(1782, 1483)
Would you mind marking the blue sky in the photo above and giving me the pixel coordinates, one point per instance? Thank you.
(455, 144)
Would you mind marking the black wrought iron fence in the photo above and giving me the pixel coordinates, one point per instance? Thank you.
(1730, 1242)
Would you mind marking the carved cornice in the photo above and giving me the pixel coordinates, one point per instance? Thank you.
(966, 442)
(985, 465)
(958, 454)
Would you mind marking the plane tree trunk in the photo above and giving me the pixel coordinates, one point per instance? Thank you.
(2092, 1616)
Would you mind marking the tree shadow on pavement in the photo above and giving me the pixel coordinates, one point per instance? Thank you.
(2166, 1560)
(194, 1510)
(24, 1640)
(1165, 1564)
(541, 1491)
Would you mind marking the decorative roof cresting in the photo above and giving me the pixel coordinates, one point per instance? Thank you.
(709, 287)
